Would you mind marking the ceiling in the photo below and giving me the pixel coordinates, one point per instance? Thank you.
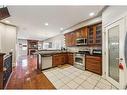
(30, 19)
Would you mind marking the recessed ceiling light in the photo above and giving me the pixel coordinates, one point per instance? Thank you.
(61, 28)
(7, 21)
(92, 14)
(46, 24)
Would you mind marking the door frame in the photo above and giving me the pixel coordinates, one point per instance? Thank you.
(121, 23)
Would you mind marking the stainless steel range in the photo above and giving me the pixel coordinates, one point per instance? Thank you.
(80, 59)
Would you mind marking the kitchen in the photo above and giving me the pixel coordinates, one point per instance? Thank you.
(88, 56)
(84, 55)
(89, 45)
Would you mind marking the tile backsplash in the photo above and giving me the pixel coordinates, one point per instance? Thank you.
(82, 48)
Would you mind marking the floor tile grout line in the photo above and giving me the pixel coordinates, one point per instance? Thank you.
(69, 81)
(97, 83)
(72, 79)
(80, 78)
(63, 83)
(84, 80)
(110, 83)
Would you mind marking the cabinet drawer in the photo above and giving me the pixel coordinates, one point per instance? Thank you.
(93, 62)
(95, 70)
(94, 58)
(93, 65)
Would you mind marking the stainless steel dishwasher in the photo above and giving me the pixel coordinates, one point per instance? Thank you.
(46, 61)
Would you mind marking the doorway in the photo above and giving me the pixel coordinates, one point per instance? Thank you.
(115, 53)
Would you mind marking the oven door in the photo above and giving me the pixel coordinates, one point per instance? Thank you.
(79, 60)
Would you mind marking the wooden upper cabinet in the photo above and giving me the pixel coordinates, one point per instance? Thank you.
(81, 33)
(98, 34)
(70, 39)
(84, 32)
(78, 33)
(91, 35)
(73, 39)
(95, 34)
(66, 39)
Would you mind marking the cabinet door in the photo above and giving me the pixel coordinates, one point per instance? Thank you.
(56, 60)
(66, 39)
(93, 63)
(98, 34)
(69, 39)
(78, 33)
(64, 59)
(70, 59)
(84, 32)
(95, 34)
(73, 39)
(91, 35)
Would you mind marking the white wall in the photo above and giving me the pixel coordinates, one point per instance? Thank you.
(2, 28)
(112, 13)
(57, 42)
(40, 45)
(20, 44)
(8, 39)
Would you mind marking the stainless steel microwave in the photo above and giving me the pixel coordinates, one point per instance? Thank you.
(81, 41)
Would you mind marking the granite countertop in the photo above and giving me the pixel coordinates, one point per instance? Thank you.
(51, 52)
(93, 55)
(2, 53)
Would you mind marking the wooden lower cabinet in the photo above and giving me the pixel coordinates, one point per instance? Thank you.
(57, 60)
(62, 58)
(70, 59)
(94, 64)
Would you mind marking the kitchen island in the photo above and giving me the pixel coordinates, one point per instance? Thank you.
(52, 58)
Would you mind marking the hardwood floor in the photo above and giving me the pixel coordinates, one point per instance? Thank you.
(26, 76)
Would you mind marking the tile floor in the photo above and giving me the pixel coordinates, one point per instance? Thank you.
(69, 77)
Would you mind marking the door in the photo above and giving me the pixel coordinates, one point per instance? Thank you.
(84, 32)
(70, 59)
(115, 53)
(79, 60)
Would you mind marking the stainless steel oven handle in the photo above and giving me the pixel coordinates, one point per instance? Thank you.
(79, 57)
